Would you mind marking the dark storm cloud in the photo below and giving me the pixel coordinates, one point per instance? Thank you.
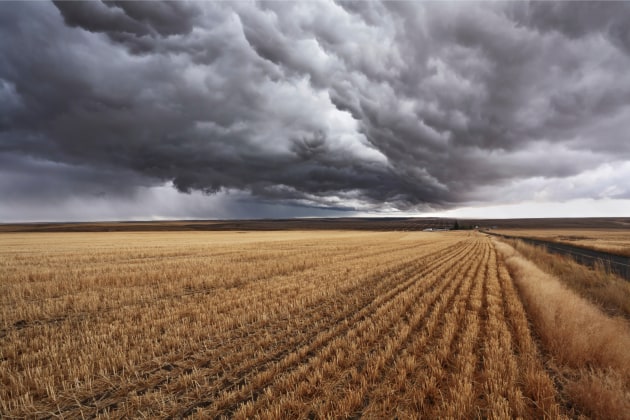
(355, 105)
(29, 180)
(600, 18)
(138, 18)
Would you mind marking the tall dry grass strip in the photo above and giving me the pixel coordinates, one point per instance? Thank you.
(588, 349)
(598, 285)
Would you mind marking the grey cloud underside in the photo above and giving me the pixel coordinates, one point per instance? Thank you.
(393, 104)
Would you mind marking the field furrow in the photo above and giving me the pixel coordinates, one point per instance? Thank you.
(435, 357)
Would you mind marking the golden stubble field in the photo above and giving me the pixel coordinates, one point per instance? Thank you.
(280, 325)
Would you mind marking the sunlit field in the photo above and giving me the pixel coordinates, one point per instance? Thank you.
(296, 325)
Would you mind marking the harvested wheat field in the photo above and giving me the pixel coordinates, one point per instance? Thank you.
(290, 325)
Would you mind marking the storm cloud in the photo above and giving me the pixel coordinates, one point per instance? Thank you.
(349, 106)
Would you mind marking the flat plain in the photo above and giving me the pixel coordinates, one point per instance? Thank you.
(287, 324)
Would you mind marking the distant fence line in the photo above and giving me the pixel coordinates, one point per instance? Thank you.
(614, 263)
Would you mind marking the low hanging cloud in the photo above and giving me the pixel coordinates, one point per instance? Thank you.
(348, 106)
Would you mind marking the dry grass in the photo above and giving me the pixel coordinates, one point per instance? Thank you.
(615, 241)
(608, 291)
(268, 325)
(589, 348)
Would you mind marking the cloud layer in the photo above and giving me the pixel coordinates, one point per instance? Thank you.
(353, 105)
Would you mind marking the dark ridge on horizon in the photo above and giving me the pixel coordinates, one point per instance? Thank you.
(344, 223)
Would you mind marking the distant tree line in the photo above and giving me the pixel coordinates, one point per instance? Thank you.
(457, 226)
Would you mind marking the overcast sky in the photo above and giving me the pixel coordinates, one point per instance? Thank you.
(123, 110)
